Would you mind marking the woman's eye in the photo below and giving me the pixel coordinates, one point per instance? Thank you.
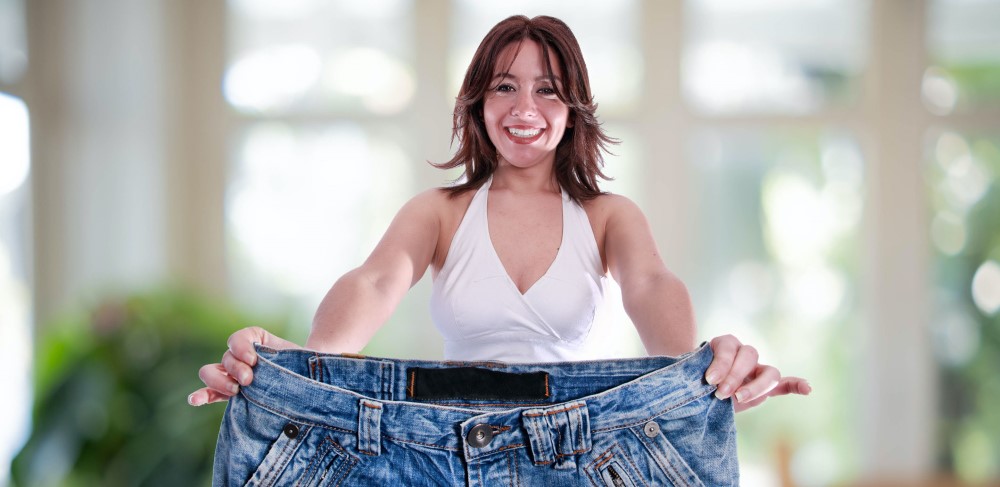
(547, 91)
(505, 88)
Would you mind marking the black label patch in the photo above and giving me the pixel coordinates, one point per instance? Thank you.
(476, 383)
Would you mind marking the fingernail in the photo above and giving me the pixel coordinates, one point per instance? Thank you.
(234, 388)
(191, 400)
(244, 378)
(809, 388)
(741, 395)
(723, 392)
(712, 377)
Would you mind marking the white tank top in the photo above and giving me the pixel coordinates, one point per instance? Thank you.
(483, 316)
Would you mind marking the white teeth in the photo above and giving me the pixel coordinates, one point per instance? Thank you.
(523, 133)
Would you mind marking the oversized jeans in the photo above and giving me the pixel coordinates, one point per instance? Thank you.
(311, 419)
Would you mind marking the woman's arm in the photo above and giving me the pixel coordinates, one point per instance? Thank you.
(655, 300)
(363, 299)
(355, 307)
(659, 305)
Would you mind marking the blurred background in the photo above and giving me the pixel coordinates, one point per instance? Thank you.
(821, 173)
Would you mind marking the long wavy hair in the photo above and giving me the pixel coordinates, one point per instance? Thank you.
(579, 155)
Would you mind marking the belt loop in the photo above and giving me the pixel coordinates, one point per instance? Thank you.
(388, 380)
(558, 434)
(370, 427)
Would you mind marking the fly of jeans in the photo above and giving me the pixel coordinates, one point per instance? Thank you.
(617, 479)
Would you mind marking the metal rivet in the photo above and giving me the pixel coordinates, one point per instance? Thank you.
(651, 429)
(480, 435)
(291, 430)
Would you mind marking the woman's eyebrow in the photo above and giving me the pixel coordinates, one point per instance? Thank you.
(553, 78)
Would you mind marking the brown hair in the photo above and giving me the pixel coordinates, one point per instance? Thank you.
(579, 157)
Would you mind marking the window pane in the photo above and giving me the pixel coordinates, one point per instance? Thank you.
(307, 56)
(305, 205)
(778, 244)
(15, 290)
(962, 174)
(607, 32)
(13, 41)
(962, 40)
(773, 56)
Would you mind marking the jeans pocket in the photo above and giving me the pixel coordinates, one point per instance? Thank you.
(303, 455)
(665, 456)
(694, 444)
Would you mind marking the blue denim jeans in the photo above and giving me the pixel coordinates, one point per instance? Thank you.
(315, 419)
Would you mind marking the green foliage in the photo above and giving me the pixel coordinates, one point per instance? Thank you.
(111, 393)
(970, 420)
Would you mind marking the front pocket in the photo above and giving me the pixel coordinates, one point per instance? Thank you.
(666, 457)
(329, 466)
(305, 456)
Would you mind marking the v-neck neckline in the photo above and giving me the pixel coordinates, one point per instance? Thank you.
(496, 255)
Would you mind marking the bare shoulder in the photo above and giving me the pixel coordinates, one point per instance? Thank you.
(434, 202)
(609, 208)
(448, 210)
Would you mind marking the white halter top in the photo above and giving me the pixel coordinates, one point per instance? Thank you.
(483, 316)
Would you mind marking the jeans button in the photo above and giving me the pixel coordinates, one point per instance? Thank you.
(651, 429)
(290, 430)
(480, 435)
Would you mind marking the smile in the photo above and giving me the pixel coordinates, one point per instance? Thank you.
(524, 133)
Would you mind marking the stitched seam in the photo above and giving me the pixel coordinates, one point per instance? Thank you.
(313, 468)
(656, 414)
(555, 411)
(634, 468)
(491, 404)
(319, 368)
(604, 458)
(284, 456)
(498, 450)
(667, 465)
(414, 442)
(297, 420)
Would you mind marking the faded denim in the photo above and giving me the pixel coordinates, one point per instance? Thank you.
(324, 420)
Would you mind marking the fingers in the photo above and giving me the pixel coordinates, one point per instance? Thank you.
(206, 396)
(237, 369)
(744, 365)
(743, 406)
(724, 349)
(758, 384)
(791, 385)
(223, 380)
(216, 378)
(241, 344)
(220, 386)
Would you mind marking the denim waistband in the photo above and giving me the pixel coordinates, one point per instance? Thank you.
(369, 396)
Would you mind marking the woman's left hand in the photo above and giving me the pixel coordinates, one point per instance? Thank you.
(738, 374)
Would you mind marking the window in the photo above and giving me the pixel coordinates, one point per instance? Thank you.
(773, 56)
(320, 152)
(15, 240)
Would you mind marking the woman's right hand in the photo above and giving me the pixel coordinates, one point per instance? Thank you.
(223, 380)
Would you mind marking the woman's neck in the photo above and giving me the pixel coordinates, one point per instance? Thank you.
(538, 179)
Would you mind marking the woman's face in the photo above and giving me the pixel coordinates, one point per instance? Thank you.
(524, 118)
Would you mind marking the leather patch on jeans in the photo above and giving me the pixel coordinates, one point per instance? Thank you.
(476, 383)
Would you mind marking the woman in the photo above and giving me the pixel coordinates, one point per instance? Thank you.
(519, 251)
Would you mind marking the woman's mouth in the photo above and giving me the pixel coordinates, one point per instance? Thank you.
(524, 135)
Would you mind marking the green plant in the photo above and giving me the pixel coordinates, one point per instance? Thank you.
(111, 388)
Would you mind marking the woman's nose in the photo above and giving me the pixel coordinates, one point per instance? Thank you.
(524, 106)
